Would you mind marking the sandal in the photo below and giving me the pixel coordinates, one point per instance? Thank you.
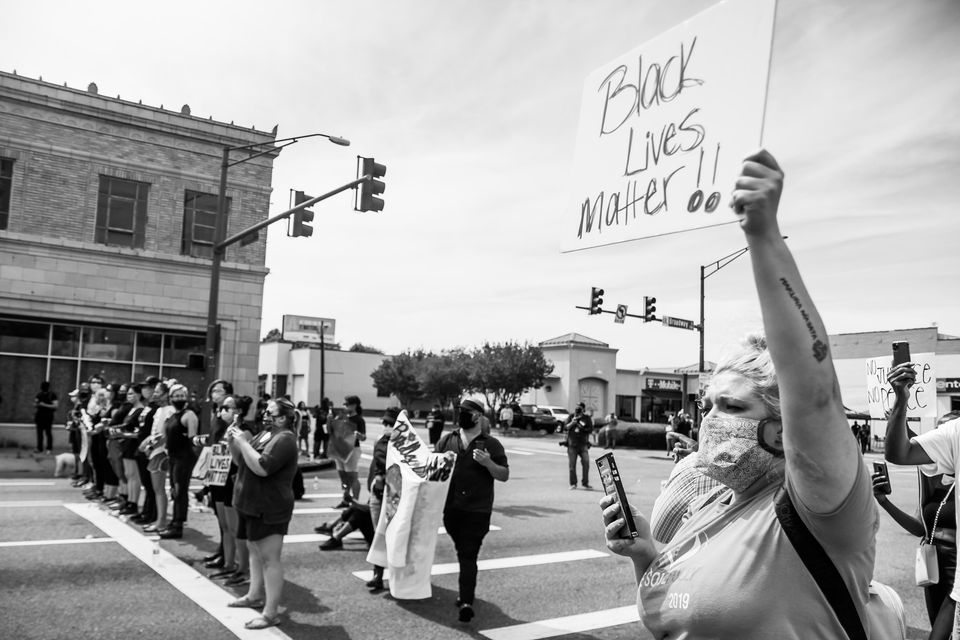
(262, 622)
(244, 603)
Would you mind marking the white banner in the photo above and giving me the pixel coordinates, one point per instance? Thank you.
(664, 128)
(923, 395)
(413, 501)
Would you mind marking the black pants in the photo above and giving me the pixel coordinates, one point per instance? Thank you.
(937, 596)
(181, 466)
(149, 510)
(44, 428)
(435, 433)
(320, 437)
(467, 530)
(101, 464)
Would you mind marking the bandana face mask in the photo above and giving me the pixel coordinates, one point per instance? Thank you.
(731, 452)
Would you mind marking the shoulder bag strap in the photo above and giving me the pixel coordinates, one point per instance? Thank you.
(819, 565)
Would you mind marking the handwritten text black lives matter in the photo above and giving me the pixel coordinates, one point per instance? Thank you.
(647, 191)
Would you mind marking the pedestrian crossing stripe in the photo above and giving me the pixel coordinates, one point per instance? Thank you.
(31, 503)
(353, 535)
(315, 510)
(39, 543)
(518, 452)
(566, 625)
(27, 483)
(503, 563)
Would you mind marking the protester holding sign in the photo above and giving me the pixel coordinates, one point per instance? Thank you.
(480, 460)
(775, 434)
(345, 437)
(263, 498)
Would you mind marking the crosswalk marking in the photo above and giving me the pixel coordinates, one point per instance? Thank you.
(518, 452)
(315, 510)
(353, 535)
(40, 543)
(27, 483)
(31, 503)
(205, 593)
(549, 453)
(504, 563)
(314, 496)
(566, 625)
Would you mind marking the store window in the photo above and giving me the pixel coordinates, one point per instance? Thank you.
(24, 337)
(6, 188)
(121, 212)
(107, 344)
(200, 223)
(66, 341)
(177, 349)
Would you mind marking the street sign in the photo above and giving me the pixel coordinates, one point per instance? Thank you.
(621, 313)
(679, 323)
(308, 328)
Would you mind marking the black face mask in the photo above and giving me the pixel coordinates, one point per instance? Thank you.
(465, 420)
(179, 405)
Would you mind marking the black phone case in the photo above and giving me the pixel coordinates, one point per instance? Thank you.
(880, 467)
(901, 352)
(610, 479)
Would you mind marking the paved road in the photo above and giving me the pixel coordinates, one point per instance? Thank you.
(67, 567)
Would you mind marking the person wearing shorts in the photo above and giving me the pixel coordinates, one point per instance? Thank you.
(349, 469)
(263, 498)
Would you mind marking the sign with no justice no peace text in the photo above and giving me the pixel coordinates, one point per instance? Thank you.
(664, 128)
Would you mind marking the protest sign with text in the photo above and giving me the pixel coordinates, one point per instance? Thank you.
(922, 402)
(220, 460)
(413, 499)
(664, 128)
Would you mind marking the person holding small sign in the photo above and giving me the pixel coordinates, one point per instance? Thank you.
(775, 434)
(263, 498)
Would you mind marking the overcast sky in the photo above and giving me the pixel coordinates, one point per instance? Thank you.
(474, 108)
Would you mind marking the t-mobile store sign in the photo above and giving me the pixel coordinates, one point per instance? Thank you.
(663, 384)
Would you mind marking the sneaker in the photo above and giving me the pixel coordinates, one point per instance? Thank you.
(588, 487)
(331, 544)
(572, 487)
(237, 580)
(343, 505)
(324, 528)
(466, 613)
(375, 585)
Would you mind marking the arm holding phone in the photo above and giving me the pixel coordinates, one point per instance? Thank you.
(899, 447)
(881, 489)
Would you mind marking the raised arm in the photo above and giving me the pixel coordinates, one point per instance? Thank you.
(821, 457)
(899, 447)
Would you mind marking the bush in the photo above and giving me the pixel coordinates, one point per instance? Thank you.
(641, 435)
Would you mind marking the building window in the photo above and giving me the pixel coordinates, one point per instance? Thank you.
(6, 186)
(121, 212)
(200, 223)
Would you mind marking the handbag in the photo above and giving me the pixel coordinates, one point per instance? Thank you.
(203, 464)
(927, 569)
(884, 609)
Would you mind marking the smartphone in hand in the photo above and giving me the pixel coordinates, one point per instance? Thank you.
(880, 468)
(901, 353)
(610, 479)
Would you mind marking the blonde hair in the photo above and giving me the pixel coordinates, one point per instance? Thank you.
(752, 361)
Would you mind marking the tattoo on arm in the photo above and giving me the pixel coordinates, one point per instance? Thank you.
(820, 348)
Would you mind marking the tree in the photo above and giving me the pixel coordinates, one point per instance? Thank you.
(502, 372)
(444, 378)
(359, 347)
(274, 335)
(399, 375)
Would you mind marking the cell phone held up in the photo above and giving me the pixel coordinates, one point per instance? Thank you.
(901, 353)
(880, 468)
(610, 479)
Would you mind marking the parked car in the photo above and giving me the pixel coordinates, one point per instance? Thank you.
(538, 418)
(560, 414)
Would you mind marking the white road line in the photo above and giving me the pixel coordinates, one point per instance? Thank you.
(365, 456)
(549, 453)
(27, 483)
(317, 537)
(504, 563)
(315, 510)
(566, 625)
(207, 595)
(32, 503)
(443, 530)
(314, 496)
(517, 452)
(40, 543)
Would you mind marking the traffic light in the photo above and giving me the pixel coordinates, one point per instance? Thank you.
(596, 300)
(371, 187)
(302, 217)
(649, 309)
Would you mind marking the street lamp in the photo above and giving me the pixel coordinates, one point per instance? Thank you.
(219, 246)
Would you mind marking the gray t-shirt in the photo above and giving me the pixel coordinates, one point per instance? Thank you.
(731, 571)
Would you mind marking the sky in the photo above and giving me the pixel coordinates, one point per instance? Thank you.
(474, 107)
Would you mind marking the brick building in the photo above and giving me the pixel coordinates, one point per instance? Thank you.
(107, 211)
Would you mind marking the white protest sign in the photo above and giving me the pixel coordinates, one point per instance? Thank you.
(923, 395)
(664, 128)
(220, 460)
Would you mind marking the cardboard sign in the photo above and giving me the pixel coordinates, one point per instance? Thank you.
(923, 394)
(343, 438)
(664, 128)
(220, 460)
(413, 499)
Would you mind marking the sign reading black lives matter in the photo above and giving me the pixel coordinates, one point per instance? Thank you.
(664, 128)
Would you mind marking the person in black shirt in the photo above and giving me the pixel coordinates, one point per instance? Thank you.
(578, 429)
(466, 515)
(46, 403)
(435, 425)
(180, 428)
